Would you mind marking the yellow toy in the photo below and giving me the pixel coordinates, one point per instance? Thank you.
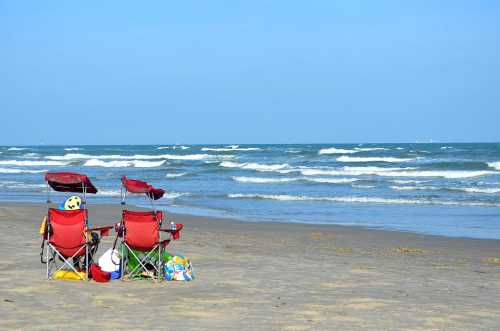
(70, 275)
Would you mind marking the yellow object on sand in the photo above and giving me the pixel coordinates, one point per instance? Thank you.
(69, 275)
(43, 226)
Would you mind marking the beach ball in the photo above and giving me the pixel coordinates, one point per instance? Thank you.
(72, 203)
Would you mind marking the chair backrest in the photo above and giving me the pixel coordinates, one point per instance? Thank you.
(68, 230)
(142, 229)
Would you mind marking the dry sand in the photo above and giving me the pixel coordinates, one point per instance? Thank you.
(261, 276)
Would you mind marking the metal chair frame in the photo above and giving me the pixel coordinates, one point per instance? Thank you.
(52, 250)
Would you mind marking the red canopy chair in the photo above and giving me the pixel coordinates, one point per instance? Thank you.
(141, 231)
(67, 232)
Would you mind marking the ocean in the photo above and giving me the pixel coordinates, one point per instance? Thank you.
(442, 189)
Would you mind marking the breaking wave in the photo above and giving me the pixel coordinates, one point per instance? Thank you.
(486, 190)
(409, 181)
(255, 166)
(232, 148)
(140, 157)
(17, 148)
(414, 188)
(365, 200)
(174, 147)
(260, 180)
(175, 195)
(123, 164)
(494, 165)
(176, 175)
(21, 186)
(263, 180)
(72, 149)
(393, 172)
(109, 193)
(348, 171)
(117, 193)
(480, 190)
(20, 171)
(33, 163)
(334, 150)
(372, 159)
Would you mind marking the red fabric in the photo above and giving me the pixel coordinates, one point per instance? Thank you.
(69, 182)
(176, 234)
(98, 275)
(142, 229)
(103, 231)
(138, 186)
(68, 231)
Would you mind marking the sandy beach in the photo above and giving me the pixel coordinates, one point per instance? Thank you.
(261, 276)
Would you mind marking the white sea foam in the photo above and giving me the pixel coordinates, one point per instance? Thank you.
(117, 193)
(394, 172)
(481, 190)
(174, 147)
(17, 148)
(334, 150)
(176, 175)
(494, 165)
(332, 180)
(349, 171)
(486, 190)
(110, 193)
(372, 159)
(230, 149)
(20, 171)
(72, 149)
(432, 173)
(74, 156)
(371, 149)
(123, 164)
(32, 163)
(261, 180)
(255, 166)
(409, 181)
(194, 157)
(353, 199)
(21, 186)
(30, 156)
(264, 180)
(414, 188)
(175, 195)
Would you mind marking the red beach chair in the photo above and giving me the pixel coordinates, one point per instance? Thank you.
(141, 231)
(67, 234)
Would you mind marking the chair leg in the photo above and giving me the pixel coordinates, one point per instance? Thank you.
(122, 262)
(47, 259)
(87, 262)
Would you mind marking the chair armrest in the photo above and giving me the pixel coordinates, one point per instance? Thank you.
(175, 233)
(104, 230)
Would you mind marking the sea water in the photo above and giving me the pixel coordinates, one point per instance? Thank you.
(443, 189)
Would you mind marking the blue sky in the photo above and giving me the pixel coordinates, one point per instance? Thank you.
(107, 72)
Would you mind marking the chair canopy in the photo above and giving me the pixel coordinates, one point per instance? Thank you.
(138, 186)
(70, 182)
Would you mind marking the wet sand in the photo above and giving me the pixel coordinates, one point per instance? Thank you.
(261, 276)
